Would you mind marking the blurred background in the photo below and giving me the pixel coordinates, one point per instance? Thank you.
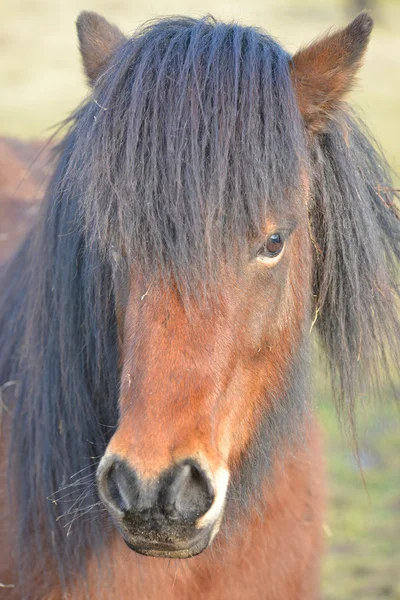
(41, 81)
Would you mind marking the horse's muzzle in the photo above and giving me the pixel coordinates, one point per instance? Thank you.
(164, 516)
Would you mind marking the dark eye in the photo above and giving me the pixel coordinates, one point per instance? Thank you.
(272, 246)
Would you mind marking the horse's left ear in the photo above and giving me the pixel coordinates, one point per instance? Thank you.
(323, 72)
(98, 40)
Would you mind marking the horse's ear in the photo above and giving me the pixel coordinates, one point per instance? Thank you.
(98, 40)
(323, 72)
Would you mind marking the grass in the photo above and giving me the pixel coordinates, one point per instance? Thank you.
(41, 82)
(362, 521)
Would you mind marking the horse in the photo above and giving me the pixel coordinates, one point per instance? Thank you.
(213, 203)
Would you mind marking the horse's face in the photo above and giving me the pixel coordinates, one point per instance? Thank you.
(194, 386)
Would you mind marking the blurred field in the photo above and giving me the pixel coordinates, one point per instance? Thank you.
(41, 82)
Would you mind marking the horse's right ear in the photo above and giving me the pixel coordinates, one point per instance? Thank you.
(98, 40)
(325, 71)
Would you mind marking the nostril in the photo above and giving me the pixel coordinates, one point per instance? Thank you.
(119, 486)
(174, 488)
(189, 494)
(116, 486)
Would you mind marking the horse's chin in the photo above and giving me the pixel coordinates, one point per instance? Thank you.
(160, 550)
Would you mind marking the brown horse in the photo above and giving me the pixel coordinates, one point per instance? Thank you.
(213, 202)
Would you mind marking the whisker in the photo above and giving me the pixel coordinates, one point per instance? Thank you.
(84, 469)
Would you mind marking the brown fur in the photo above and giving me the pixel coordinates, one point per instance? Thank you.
(325, 71)
(23, 178)
(98, 41)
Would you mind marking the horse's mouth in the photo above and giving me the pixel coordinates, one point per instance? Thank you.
(170, 550)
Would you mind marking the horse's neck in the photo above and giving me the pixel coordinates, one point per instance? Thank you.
(272, 554)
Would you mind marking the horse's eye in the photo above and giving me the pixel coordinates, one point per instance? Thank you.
(272, 246)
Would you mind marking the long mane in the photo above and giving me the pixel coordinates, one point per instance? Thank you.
(58, 317)
(356, 233)
(189, 137)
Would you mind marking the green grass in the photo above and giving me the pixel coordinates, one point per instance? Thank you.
(41, 82)
(363, 510)
(363, 524)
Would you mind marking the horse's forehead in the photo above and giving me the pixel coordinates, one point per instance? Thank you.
(186, 291)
